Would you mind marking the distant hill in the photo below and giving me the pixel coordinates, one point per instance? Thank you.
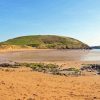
(47, 41)
(95, 47)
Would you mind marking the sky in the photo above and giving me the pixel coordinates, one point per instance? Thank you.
(79, 19)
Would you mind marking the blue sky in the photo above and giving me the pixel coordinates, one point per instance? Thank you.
(79, 19)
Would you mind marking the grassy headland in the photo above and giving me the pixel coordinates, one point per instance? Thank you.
(47, 42)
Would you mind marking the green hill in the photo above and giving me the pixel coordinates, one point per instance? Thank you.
(95, 47)
(47, 41)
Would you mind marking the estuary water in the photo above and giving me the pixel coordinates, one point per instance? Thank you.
(92, 55)
(50, 55)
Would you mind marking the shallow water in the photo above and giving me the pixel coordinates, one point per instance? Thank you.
(92, 55)
(50, 55)
(96, 50)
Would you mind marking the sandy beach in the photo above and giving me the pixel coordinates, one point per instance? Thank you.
(24, 84)
(49, 50)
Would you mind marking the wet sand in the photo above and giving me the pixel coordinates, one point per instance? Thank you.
(44, 55)
(67, 58)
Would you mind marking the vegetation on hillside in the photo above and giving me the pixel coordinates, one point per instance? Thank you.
(95, 47)
(47, 41)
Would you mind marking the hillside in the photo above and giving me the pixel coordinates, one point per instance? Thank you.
(13, 47)
(47, 41)
(95, 47)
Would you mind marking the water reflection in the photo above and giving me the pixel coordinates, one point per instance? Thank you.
(50, 55)
(92, 55)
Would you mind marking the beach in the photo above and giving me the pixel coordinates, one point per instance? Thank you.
(24, 84)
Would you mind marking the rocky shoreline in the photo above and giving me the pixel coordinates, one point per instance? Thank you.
(56, 69)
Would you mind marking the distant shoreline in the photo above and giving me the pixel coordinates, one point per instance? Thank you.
(6, 50)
